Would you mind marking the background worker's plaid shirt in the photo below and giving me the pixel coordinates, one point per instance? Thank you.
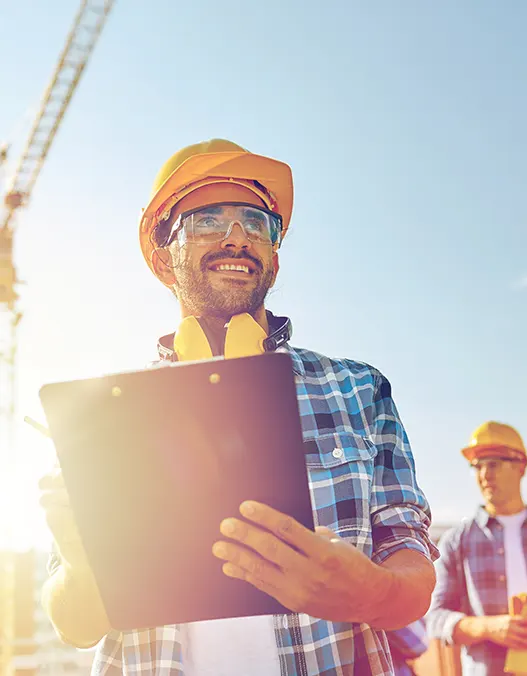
(363, 486)
(471, 580)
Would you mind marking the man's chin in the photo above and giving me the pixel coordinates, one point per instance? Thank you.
(226, 280)
(223, 296)
(224, 304)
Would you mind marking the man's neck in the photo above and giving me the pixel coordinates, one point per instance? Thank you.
(507, 509)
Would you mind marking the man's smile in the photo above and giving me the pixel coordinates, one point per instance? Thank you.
(234, 268)
(238, 269)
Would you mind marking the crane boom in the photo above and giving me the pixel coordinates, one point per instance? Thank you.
(80, 42)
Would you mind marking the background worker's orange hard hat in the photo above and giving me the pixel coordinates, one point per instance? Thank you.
(494, 439)
(213, 161)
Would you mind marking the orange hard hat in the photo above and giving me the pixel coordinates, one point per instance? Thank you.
(215, 161)
(494, 439)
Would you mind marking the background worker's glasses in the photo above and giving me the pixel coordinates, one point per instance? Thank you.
(492, 464)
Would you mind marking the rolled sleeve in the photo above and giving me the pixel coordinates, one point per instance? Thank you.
(449, 621)
(446, 609)
(400, 513)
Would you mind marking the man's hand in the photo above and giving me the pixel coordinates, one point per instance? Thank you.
(506, 630)
(70, 596)
(314, 573)
(59, 517)
(509, 631)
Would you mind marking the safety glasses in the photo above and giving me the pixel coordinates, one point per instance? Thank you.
(493, 464)
(214, 222)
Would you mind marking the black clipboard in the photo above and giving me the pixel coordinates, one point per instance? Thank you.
(153, 460)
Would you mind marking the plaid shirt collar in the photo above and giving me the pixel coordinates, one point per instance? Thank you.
(165, 346)
(484, 519)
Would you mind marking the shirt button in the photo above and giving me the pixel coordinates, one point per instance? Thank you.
(501, 578)
(337, 453)
(501, 550)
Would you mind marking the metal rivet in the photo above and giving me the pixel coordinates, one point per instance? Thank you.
(214, 378)
(116, 391)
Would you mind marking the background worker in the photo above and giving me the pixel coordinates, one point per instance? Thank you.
(211, 233)
(483, 560)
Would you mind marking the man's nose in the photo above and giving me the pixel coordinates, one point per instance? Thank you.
(236, 237)
(486, 472)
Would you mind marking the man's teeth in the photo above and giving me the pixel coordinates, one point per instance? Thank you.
(239, 268)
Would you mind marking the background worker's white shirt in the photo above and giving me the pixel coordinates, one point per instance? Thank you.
(241, 646)
(515, 564)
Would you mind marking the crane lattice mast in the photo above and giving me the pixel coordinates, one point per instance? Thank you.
(80, 42)
(79, 45)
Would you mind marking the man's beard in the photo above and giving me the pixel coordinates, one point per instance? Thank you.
(201, 298)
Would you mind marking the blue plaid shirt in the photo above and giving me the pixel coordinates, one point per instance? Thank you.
(363, 486)
(471, 580)
(407, 643)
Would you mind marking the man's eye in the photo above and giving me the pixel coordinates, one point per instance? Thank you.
(207, 222)
(255, 224)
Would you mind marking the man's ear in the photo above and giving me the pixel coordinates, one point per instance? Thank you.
(162, 264)
(276, 266)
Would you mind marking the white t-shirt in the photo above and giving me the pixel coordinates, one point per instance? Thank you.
(515, 564)
(233, 647)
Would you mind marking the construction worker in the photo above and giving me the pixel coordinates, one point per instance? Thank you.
(211, 233)
(483, 560)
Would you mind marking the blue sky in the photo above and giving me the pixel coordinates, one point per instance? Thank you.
(404, 124)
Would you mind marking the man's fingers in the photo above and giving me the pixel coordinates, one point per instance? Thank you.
(248, 566)
(265, 582)
(62, 525)
(53, 491)
(56, 498)
(284, 527)
(245, 559)
(326, 533)
(264, 543)
(232, 570)
(518, 631)
(516, 643)
(52, 481)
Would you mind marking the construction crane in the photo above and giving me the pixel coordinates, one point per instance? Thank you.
(80, 42)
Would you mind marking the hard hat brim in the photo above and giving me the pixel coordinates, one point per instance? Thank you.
(471, 453)
(274, 175)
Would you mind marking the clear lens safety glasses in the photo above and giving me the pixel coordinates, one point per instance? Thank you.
(214, 222)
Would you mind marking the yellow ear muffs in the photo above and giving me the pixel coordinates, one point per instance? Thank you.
(190, 341)
(244, 338)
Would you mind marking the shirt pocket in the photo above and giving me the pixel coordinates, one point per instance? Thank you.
(340, 468)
